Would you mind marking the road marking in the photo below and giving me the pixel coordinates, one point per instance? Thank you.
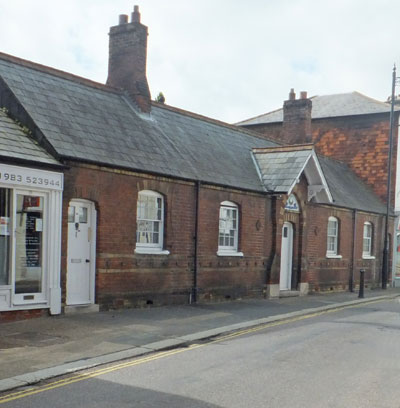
(145, 359)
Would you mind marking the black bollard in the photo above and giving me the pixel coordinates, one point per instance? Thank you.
(361, 291)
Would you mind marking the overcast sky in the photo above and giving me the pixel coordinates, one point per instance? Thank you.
(227, 59)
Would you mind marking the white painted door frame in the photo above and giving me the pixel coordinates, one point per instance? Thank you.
(92, 217)
(285, 281)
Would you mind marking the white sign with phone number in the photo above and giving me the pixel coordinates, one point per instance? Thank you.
(28, 177)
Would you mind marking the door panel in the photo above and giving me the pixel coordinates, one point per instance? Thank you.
(79, 271)
(286, 257)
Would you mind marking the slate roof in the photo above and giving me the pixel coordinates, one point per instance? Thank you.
(347, 189)
(281, 168)
(329, 106)
(16, 144)
(91, 122)
(99, 124)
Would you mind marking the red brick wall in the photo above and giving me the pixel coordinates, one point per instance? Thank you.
(12, 316)
(359, 141)
(232, 277)
(124, 278)
(324, 273)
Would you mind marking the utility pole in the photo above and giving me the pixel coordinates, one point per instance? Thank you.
(385, 262)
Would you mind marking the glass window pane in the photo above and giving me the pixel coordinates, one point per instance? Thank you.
(71, 214)
(29, 231)
(228, 226)
(83, 215)
(332, 228)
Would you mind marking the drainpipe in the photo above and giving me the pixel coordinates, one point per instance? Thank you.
(193, 298)
(273, 243)
(353, 255)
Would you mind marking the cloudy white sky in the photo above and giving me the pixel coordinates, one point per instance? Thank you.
(227, 59)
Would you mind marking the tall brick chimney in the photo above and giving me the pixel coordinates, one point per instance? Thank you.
(127, 59)
(296, 127)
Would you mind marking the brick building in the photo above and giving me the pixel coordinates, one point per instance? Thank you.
(350, 127)
(165, 206)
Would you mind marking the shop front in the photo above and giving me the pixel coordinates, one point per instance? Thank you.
(30, 238)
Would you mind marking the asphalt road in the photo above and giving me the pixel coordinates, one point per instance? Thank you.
(346, 358)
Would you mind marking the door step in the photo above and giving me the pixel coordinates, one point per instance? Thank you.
(289, 293)
(75, 309)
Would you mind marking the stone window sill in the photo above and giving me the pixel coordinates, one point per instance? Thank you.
(229, 253)
(368, 257)
(333, 256)
(151, 251)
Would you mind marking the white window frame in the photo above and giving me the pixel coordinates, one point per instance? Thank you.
(368, 254)
(151, 248)
(229, 250)
(332, 253)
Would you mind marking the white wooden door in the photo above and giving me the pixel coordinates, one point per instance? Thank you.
(286, 257)
(80, 263)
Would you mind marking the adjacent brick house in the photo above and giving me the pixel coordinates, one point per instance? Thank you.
(351, 127)
(165, 206)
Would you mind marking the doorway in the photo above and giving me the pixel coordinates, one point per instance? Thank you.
(285, 281)
(81, 252)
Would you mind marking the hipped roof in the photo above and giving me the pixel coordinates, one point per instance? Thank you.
(329, 106)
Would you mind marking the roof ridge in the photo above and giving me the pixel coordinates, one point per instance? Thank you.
(211, 120)
(57, 72)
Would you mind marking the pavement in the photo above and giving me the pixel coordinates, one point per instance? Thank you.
(46, 347)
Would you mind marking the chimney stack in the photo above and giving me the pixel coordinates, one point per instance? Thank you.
(296, 127)
(127, 59)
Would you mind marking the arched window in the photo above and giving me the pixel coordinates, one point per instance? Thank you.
(228, 229)
(332, 237)
(367, 240)
(149, 222)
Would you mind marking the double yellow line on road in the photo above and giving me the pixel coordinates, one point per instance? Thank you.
(146, 359)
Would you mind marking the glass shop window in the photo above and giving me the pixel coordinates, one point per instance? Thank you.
(29, 244)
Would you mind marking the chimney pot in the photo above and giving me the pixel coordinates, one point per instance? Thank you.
(123, 19)
(135, 15)
(303, 95)
(292, 95)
